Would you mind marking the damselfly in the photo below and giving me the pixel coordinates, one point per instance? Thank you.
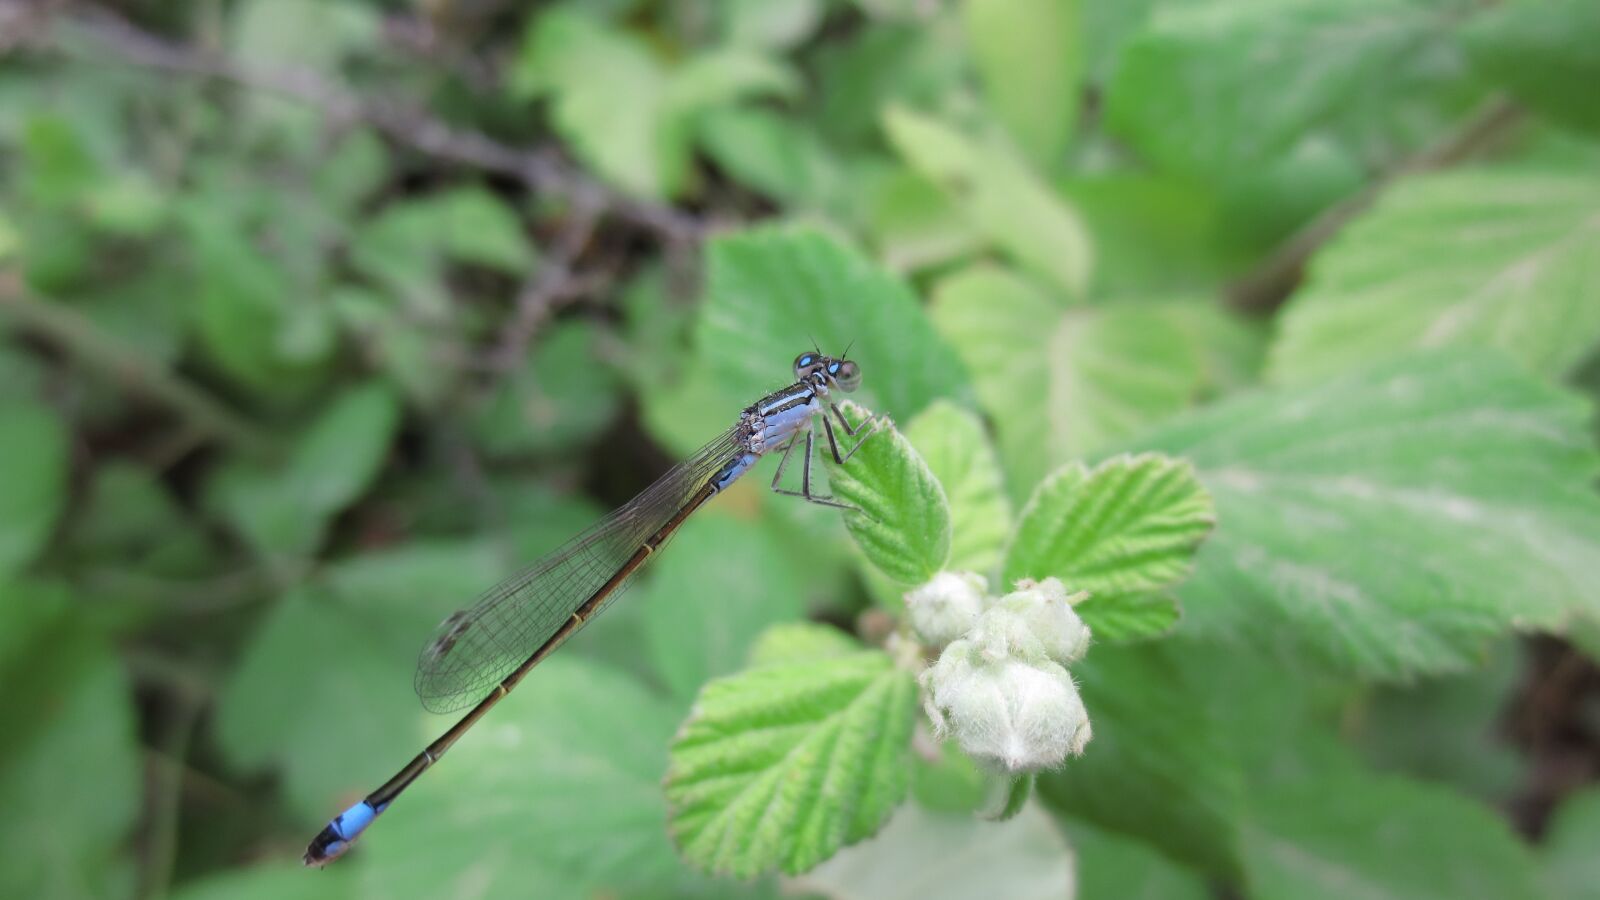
(476, 656)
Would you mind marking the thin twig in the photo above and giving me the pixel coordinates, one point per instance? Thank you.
(1269, 284)
(543, 171)
(124, 366)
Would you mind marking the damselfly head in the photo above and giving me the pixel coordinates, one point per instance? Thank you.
(827, 372)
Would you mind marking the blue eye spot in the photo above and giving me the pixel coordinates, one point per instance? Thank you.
(833, 368)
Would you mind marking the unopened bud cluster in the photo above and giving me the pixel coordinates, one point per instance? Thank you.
(1000, 686)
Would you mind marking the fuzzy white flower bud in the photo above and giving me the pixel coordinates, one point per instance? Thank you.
(1012, 715)
(946, 607)
(1046, 608)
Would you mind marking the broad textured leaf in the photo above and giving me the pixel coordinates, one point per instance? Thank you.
(325, 685)
(1110, 865)
(33, 474)
(1060, 383)
(557, 793)
(901, 519)
(1501, 258)
(922, 855)
(1342, 836)
(723, 583)
(1027, 56)
(1360, 74)
(1007, 201)
(952, 442)
(780, 766)
(1571, 867)
(1160, 767)
(773, 289)
(1468, 485)
(1544, 52)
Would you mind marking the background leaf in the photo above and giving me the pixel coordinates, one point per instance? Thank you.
(1469, 484)
(1496, 258)
(1027, 57)
(1544, 53)
(33, 473)
(1570, 866)
(771, 290)
(781, 765)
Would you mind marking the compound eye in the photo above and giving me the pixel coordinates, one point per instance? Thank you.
(803, 364)
(848, 376)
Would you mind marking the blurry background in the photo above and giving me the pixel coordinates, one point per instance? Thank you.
(317, 317)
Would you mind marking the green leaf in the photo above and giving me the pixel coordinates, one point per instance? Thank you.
(1469, 483)
(367, 618)
(922, 855)
(1338, 836)
(901, 519)
(774, 155)
(799, 642)
(1571, 868)
(914, 225)
(952, 442)
(405, 247)
(514, 810)
(1348, 75)
(1497, 258)
(270, 881)
(780, 766)
(34, 452)
(558, 399)
(719, 77)
(1062, 384)
(1544, 52)
(1027, 56)
(1007, 201)
(70, 764)
(723, 584)
(1160, 768)
(284, 513)
(1110, 865)
(772, 289)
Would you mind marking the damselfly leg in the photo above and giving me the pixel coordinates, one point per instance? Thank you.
(805, 473)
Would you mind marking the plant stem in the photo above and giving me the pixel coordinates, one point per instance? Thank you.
(1017, 794)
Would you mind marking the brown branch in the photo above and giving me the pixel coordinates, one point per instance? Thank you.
(542, 170)
(1269, 284)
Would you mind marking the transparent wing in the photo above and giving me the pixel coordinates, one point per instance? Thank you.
(475, 648)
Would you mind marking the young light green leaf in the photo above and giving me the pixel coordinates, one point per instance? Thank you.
(1010, 204)
(901, 519)
(952, 442)
(1470, 483)
(780, 766)
(1058, 382)
(1571, 867)
(556, 400)
(1394, 838)
(773, 289)
(1028, 58)
(800, 642)
(1497, 258)
(921, 855)
(33, 474)
(1543, 51)
(1124, 531)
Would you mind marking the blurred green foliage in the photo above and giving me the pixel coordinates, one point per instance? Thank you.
(319, 316)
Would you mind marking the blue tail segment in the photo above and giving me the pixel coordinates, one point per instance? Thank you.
(332, 841)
